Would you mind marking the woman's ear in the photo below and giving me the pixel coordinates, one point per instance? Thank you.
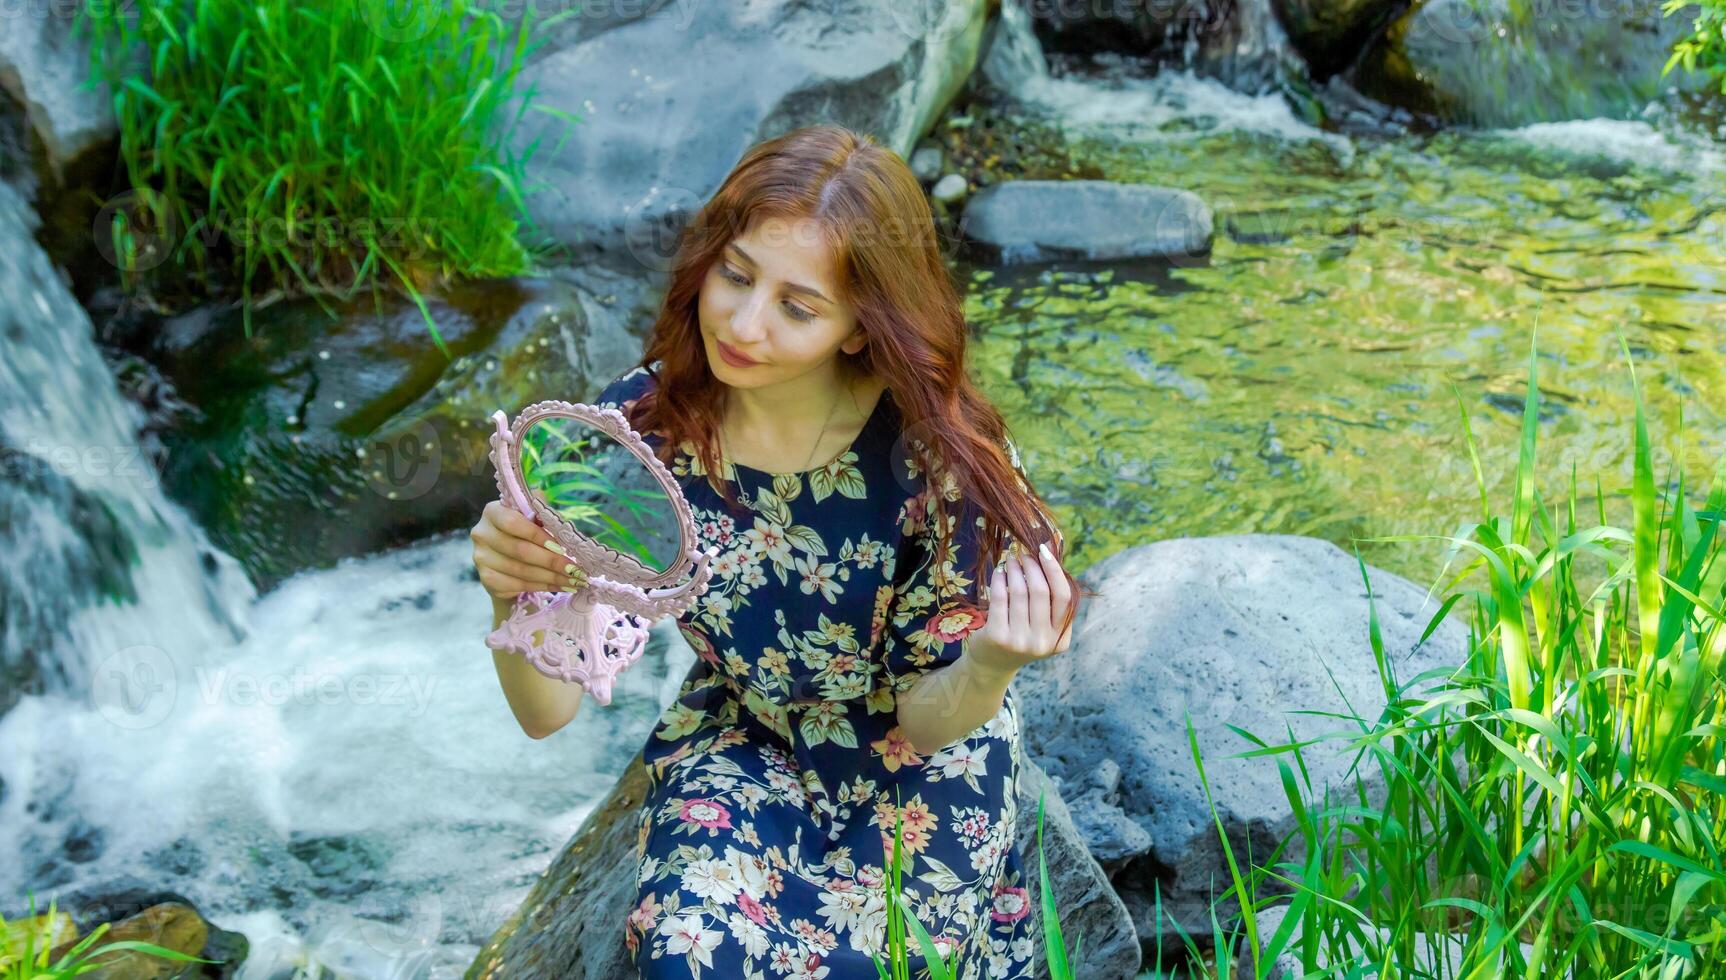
(855, 341)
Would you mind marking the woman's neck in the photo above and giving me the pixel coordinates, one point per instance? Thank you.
(790, 414)
(787, 444)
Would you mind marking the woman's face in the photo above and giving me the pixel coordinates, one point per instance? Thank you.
(772, 297)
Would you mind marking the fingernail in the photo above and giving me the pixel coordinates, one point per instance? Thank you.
(554, 546)
(570, 570)
(1044, 548)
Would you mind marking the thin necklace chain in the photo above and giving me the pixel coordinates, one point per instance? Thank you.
(819, 436)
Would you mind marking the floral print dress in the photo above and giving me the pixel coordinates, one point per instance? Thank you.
(778, 773)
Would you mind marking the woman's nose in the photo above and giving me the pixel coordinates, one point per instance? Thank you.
(748, 323)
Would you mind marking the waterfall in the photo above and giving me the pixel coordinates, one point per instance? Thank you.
(330, 769)
(1245, 48)
(1014, 58)
(1119, 102)
(106, 584)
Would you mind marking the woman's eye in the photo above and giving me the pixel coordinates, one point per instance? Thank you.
(798, 313)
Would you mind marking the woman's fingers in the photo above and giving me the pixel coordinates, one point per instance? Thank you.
(530, 576)
(998, 604)
(1037, 612)
(1059, 591)
(1060, 596)
(1018, 620)
(1066, 639)
(515, 536)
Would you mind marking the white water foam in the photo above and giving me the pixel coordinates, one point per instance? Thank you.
(1631, 141)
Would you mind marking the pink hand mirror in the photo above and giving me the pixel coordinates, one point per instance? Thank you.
(582, 473)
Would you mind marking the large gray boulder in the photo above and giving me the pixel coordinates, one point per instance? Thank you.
(570, 926)
(668, 102)
(1045, 220)
(1243, 631)
(44, 68)
(1514, 62)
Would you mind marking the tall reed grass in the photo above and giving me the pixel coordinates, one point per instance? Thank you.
(1555, 807)
(316, 148)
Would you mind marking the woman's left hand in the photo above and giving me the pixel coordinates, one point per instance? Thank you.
(1028, 599)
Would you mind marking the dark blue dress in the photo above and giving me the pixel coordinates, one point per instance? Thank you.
(777, 774)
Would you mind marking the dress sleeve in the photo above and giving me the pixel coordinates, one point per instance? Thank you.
(932, 608)
(627, 387)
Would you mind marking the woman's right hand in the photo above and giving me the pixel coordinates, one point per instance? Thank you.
(515, 555)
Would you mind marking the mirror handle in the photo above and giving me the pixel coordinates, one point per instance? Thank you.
(501, 440)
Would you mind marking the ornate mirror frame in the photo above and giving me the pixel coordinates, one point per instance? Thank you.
(591, 634)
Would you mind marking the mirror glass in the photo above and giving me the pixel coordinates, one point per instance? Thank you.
(605, 492)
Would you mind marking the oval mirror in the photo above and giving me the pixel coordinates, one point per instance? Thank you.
(602, 490)
(593, 482)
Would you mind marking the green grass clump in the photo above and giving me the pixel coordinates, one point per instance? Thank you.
(1555, 807)
(316, 148)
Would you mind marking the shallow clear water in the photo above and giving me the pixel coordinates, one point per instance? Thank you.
(1302, 381)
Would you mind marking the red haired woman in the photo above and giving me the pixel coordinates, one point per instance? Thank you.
(806, 383)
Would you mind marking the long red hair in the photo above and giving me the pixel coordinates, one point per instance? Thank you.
(877, 222)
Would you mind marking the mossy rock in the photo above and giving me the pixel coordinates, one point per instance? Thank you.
(318, 437)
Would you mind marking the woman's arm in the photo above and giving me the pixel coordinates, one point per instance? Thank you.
(949, 702)
(1027, 599)
(541, 704)
(513, 555)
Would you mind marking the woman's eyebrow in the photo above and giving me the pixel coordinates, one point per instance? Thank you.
(795, 287)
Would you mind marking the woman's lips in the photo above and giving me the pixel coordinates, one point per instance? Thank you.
(732, 356)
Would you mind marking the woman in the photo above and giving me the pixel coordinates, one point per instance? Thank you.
(806, 383)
